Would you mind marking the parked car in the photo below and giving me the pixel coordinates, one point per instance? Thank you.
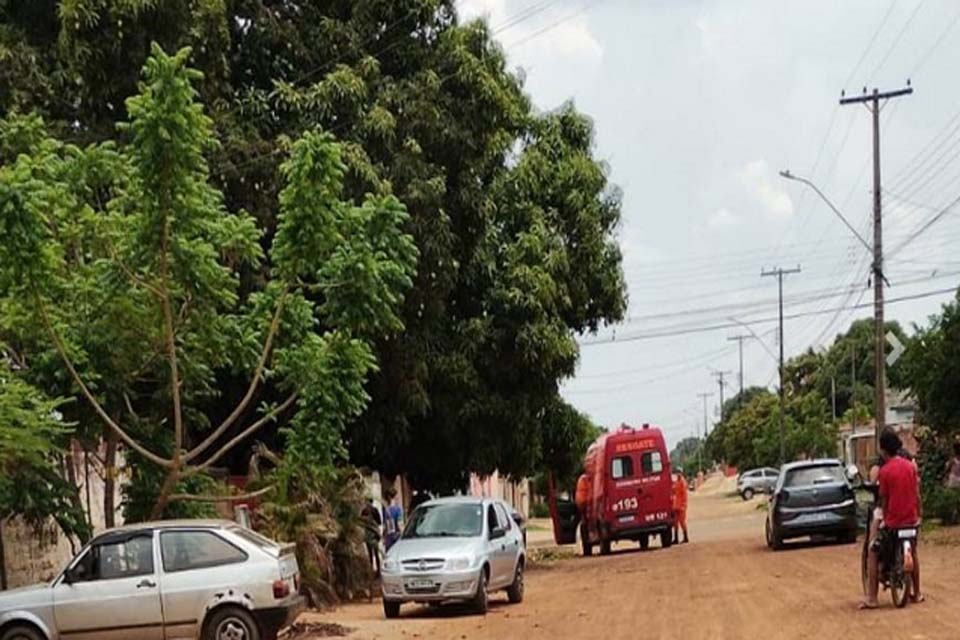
(208, 580)
(455, 550)
(812, 498)
(755, 481)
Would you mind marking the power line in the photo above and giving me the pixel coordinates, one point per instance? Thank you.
(730, 325)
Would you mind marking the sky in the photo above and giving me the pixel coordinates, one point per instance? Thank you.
(697, 107)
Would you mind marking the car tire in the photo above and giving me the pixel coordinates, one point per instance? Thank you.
(604, 547)
(747, 494)
(515, 590)
(481, 600)
(644, 543)
(774, 540)
(21, 632)
(391, 610)
(666, 539)
(850, 537)
(231, 623)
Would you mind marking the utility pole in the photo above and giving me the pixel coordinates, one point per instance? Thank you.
(704, 397)
(740, 338)
(872, 101)
(779, 273)
(720, 375)
(833, 395)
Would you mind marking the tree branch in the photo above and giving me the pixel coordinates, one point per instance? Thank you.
(123, 435)
(251, 390)
(188, 497)
(242, 435)
(137, 280)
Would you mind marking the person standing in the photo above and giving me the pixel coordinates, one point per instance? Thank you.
(680, 491)
(582, 499)
(953, 468)
(372, 522)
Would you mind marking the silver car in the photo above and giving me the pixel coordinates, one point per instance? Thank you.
(757, 481)
(211, 580)
(455, 550)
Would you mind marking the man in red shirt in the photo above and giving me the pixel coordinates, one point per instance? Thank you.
(899, 486)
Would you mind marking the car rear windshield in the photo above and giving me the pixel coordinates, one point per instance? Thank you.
(808, 476)
(445, 521)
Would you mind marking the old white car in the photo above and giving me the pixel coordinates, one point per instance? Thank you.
(211, 580)
(455, 550)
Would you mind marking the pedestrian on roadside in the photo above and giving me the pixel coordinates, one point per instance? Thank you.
(953, 468)
(372, 522)
(582, 499)
(680, 507)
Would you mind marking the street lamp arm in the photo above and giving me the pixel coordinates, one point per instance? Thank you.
(790, 176)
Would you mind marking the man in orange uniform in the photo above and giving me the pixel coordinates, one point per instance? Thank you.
(680, 507)
(582, 499)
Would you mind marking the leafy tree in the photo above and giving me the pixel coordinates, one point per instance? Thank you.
(511, 214)
(751, 436)
(31, 430)
(149, 240)
(931, 366)
(689, 454)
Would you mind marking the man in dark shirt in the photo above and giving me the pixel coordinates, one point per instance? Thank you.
(900, 503)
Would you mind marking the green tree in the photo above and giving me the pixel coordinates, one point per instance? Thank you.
(931, 364)
(31, 432)
(146, 251)
(511, 213)
(689, 454)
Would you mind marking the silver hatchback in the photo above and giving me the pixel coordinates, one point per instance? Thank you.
(180, 580)
(757, 481)
(455, 550)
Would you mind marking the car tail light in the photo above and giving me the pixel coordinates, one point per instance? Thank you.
(280, 589)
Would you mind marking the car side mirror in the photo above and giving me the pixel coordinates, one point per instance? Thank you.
(853, 472)
(497, 533)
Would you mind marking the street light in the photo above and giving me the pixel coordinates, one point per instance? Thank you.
(789, 176)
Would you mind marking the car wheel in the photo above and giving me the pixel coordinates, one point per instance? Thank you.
(481, 600)
(644, 543)
(666, 539)
(747, 494)
(231, 623)
(391, 609)
(774, 540)
(604, 547)
(515, 590)
(21, 632)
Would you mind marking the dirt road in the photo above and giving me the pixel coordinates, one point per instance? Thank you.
(725, 584)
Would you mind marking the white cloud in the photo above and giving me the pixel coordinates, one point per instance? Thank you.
(759, 181)
(549, 33)
(493, 9)
(722, 217)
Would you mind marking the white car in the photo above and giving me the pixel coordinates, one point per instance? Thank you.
(455, 550)
(173, 580)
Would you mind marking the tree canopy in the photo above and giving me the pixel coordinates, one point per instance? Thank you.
(511, 214)
(127, 264)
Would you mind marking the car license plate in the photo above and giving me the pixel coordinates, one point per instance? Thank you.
(907, 533)
(420, 583)
(819, 517)
(626, 518)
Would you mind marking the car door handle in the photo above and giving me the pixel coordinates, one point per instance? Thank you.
(503, 547)
(146, 584)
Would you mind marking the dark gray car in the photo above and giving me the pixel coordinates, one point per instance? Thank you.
(755, 481)
(812, 498)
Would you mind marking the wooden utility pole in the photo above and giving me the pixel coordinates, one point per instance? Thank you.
(872, 101)
(720, 375)
(740, 339)
(779, 273)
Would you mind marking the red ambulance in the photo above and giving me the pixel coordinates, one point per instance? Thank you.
(630, 492)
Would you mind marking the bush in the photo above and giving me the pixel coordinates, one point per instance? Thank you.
(540, 510)
(940, 502)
